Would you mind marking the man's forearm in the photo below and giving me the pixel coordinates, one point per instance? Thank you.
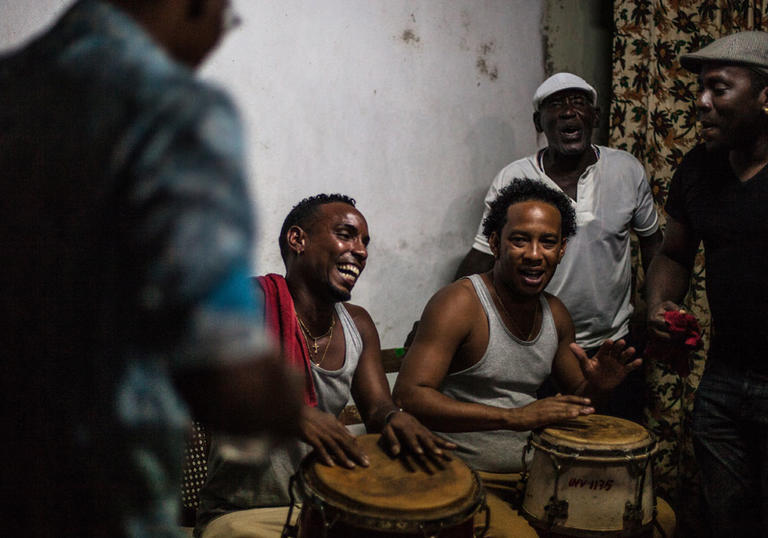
(667, 280)
(442, 413)
(380, 416)
(244, 398)
(649, 246)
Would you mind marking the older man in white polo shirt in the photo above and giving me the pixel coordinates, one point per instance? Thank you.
(610, 193)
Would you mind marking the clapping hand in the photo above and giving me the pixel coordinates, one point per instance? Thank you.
(609, 366)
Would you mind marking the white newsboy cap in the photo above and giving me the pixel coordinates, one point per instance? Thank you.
(559, 82)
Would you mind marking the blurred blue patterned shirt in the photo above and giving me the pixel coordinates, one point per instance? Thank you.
(125, 232)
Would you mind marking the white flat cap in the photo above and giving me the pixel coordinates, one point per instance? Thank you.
(559, 82)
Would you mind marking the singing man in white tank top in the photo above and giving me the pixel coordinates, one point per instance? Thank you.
(485, 343)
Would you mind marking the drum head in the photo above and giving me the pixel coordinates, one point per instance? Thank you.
(397, 487)
(597, 432)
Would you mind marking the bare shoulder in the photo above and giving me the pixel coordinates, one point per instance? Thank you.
(360, 316)
(457, 294)
(356, 311)
(560, 314)
(454, 309)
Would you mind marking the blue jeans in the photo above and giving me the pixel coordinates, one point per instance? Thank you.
(730, 438)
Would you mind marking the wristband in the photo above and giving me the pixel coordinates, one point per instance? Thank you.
(388, 416)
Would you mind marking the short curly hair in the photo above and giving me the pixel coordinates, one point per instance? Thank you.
(523, 190)
(304, 212)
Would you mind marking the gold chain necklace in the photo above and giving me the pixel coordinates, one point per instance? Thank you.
(509, 316)
(315, 346)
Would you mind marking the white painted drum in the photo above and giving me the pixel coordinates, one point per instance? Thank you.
(591, 476)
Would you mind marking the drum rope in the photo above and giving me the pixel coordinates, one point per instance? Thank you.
(290, 531)
(327, 524)
(556, 508)
(633, 513)
(487, 510)
(528, 447)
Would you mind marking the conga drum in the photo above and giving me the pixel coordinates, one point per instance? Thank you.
(390, 498)
(591, 476)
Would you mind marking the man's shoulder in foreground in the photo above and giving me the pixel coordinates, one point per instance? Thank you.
(99, 61)
(98, 43)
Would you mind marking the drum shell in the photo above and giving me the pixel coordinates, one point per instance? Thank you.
(597, 485)
(311, 526)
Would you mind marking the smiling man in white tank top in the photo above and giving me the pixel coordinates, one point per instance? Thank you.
(486, 343)
(324, 245)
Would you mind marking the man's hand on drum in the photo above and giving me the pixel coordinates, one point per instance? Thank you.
(549, 410)
(404, 431)
(609, 366)
(330, 439)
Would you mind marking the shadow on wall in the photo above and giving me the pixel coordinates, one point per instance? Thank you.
(440, 244)
(492, 145)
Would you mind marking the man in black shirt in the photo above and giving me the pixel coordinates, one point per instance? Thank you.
(718, 196)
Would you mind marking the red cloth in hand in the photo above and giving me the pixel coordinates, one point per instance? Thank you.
(281, 321)
(686, 337)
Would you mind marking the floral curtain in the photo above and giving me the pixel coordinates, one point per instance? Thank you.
(653, 117)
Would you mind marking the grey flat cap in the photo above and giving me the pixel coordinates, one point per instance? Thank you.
(749, 49)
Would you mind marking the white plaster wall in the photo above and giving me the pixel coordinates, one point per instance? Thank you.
(410, 106)
(19, 19)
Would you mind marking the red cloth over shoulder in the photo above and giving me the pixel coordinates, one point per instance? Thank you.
(281, 321)
(686, 337)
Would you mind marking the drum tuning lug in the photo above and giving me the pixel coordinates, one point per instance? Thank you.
(556, 509)
(633, 516)
(424, 533)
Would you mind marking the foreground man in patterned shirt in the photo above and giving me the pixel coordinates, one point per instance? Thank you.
(125, 232)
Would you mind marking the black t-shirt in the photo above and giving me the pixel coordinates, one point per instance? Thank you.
(731, 218)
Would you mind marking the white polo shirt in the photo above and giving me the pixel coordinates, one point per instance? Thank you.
(594, 279)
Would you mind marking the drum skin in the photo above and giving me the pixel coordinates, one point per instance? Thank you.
(601, 467)
(391, 497)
